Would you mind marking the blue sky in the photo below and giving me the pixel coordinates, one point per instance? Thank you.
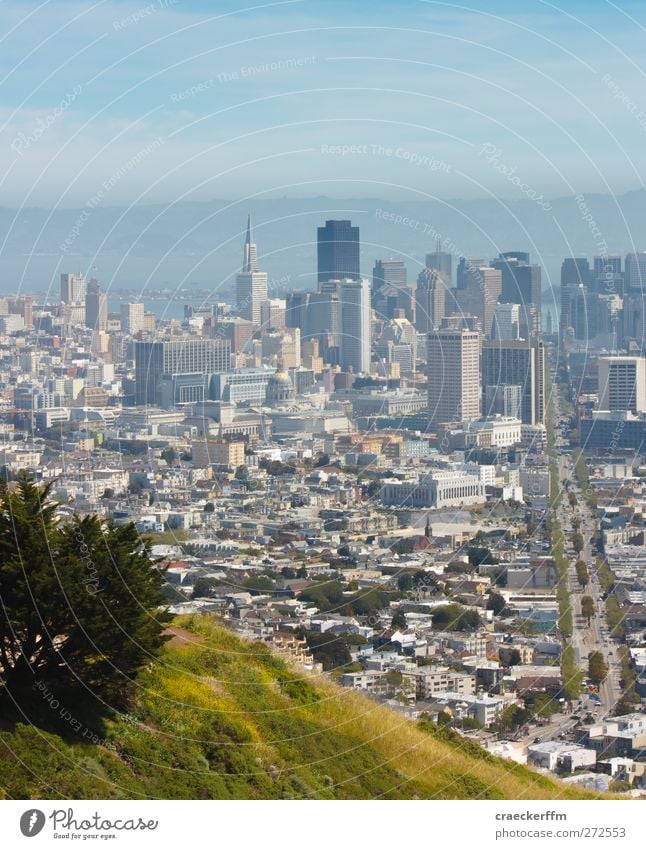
(172, 99)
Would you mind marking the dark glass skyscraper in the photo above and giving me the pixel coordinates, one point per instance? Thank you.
(338, 251)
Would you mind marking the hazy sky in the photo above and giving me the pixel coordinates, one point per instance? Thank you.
(132, 102)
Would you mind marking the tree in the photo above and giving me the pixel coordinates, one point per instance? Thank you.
(209, 507)
(514, 658)
(241, 473)
(404, 582)
(577, 542)
(398, 621)
(169, 455)
(496, 603)
(597, 667)
(582, 574)
(82, 601)
(587, 607)
(258, 585)
(322, 460)
(572, 499)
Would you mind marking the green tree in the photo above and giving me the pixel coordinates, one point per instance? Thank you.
(582, 574)
(496, 603)
(241, 473)
(258, 585)
(405, 582)
(572, 499)
(398, 621)
(82, 603)
(514, 658)
(597, 667)
(578, 543)
(587, 607)
(169, 455)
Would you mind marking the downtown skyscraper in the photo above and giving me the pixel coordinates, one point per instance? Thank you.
(251, 284)
(338, 251)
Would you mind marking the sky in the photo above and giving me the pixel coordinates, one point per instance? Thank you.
(111, 103)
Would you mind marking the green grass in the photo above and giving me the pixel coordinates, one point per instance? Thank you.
(225, 719)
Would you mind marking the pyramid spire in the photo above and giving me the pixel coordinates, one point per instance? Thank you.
(249, 262)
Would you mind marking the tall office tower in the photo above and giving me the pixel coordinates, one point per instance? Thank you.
(583, 305)
(388, 272)
(480, 296)
(272, 314)
(441, 261)
(468, 268)
(635, 271)
(453, 369)
(430, 299)
(575, 272)
(338, 251)
(132, 318)
(174, 357)
(251, 284)
(73, 288)
(634, 320)
(521, 284)
(390, 289)
(622, 383)
(517, 363)
(398, 343)
(324, 317)
(355, 346)
(607, 264)
(296, 307)
(607, 275)
(506, 322)
(96, 306)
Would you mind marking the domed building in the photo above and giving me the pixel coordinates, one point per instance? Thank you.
(280, 389)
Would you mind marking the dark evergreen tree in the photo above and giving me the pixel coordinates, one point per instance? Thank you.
(81, 599)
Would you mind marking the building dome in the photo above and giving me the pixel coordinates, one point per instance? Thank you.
(280, 388)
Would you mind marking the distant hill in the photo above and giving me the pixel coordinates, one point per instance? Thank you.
(220, 718)
(200, 244)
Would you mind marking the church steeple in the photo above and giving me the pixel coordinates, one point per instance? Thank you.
(250, 261)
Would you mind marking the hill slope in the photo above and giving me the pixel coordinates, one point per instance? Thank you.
(219, 718)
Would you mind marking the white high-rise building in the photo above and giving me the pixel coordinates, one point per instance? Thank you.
(251, 284)
(355, 343)
(506, 322)
(73, 288)
(453, 356)
(132, 318)
(622, 383)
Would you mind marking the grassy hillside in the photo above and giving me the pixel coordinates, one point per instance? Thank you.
(219, 718)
